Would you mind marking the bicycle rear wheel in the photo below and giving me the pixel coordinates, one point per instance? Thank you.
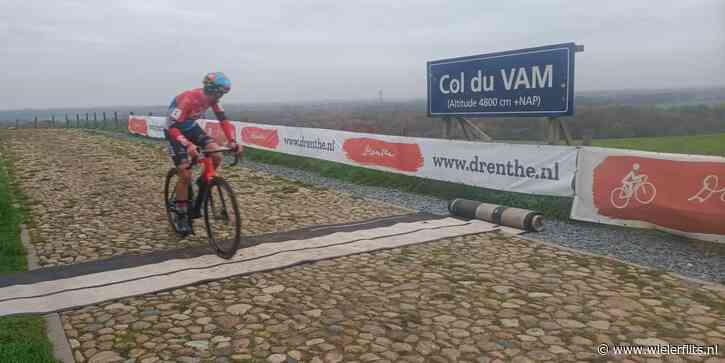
(222, 219)
(172, 177)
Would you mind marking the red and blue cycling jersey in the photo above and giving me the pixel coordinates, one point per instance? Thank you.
(190, 106)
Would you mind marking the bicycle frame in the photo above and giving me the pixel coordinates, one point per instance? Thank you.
(632, 188)
(208, 172)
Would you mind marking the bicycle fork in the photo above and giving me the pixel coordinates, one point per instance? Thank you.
(204, 180)
(199, 199)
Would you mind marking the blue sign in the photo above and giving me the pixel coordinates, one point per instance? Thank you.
(526, 82)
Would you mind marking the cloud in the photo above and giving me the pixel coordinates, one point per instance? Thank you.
(144, 51)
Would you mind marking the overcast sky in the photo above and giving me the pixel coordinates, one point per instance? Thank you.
(131, 52)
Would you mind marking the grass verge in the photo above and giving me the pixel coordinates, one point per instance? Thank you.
(22, 339)
(700, 144)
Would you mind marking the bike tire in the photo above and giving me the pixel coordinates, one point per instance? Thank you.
(648, 193)
(615, 196)
(170, 196)
(224, 245)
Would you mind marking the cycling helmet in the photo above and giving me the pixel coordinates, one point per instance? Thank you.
(216, 84)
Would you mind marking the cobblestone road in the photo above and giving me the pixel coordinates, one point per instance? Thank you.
(482, 298)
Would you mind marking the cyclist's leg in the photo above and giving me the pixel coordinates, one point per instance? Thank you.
(626, 189)
(216, 158)
(196, 135)
(182, 186)
(181, 161)
(201, 138)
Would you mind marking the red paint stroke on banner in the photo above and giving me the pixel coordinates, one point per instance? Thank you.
(138, 125)
(688, 196)
(258, 136)
(399, 156)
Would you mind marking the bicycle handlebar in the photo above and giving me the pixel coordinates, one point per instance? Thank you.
(219, 150)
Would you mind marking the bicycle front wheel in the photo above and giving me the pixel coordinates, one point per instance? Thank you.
(221, 215)
(646, 193)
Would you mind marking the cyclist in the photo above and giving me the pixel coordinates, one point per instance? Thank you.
(184, 135)
(632, 179)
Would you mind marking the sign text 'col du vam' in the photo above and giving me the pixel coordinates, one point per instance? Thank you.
(527, 82)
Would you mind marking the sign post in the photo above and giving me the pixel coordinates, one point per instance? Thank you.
(532, 82)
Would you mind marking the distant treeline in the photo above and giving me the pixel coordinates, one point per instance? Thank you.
(601, 115)
(625, 121)
(597, 121)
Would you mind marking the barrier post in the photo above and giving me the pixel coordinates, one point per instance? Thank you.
(551, 138)
(555, 127)
(475, 129)
(463, 128)
(446, 128)
(587, 139)
(565, 130)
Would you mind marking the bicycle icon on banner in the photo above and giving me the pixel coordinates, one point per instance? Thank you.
(633, 185)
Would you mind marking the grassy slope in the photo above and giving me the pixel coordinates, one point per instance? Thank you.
(22, 339)
(700, 144)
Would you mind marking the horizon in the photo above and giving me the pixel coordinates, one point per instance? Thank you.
(368, 100)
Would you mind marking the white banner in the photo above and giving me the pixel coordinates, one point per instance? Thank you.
(680, 194)
(533, 169)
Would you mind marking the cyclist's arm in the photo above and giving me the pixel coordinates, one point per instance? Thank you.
(176, 134)
(629, 178)
(224, 122)
(179, 114)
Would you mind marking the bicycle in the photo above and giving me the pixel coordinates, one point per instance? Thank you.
(643, 191)
(224, 238)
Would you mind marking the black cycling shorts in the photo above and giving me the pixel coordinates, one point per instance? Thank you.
(196, 135)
